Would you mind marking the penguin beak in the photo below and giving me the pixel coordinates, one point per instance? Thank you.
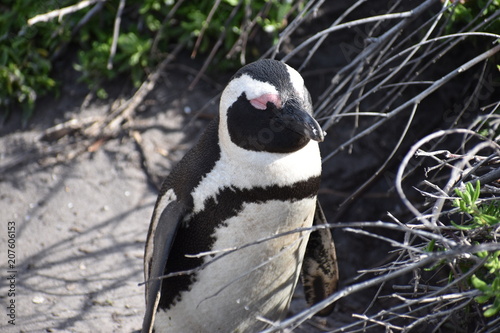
(298, 120)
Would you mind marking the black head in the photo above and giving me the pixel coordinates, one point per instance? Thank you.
(266, 107)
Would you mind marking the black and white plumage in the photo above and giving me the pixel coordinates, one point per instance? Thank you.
(254, 174)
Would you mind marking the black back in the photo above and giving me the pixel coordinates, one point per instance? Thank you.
(183, 178)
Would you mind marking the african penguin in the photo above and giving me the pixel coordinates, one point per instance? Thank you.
(223, 225)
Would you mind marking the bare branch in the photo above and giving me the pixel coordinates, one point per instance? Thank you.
(116, 33)
(60, 13)
(345, 26)
(204, 27)
(425, 261)
(416, 100)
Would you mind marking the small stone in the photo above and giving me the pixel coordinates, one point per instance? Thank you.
(76, 229)
(38, 299)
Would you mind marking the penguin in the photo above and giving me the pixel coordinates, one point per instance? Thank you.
(229, 230)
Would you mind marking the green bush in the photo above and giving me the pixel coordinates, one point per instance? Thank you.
(28, 50)
(482, 219)
(24, 57)
(462, 13)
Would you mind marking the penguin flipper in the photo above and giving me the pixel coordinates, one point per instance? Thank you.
(320, 272)
(164, 236)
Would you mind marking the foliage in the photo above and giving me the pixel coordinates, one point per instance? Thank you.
(487, 279)
(24, 58)
(471, 13)
(148, 30)
(490, 284)
(482, 214)
(465, 12)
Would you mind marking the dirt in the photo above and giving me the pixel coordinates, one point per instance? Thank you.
(81, 222)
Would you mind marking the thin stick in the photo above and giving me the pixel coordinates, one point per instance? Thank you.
(345, 26)
(313, 50)
(215, 48)
(60, 13)
(425, 260)
(365, 185)
(125, 111)
(116, 33)
(437, 84)
(204, 27)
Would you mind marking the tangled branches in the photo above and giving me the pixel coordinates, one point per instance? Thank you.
(444, 273)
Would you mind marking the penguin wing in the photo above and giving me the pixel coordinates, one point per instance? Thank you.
(163, 238)
(320, 272)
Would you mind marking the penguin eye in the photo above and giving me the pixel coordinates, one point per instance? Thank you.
(260, 102)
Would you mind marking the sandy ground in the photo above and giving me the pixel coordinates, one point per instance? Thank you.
(80, 230)
(80, 223)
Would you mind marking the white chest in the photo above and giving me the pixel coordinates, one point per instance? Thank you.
(244, 169)
(237, 290)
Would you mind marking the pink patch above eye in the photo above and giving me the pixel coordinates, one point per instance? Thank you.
(261, 101)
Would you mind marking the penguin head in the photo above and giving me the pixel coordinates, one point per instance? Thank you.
(266, 107)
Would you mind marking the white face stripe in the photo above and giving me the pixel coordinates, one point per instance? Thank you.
(297, 81)
(244, 84)
(254, 88)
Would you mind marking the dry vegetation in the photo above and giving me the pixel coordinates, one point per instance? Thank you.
(447, 247)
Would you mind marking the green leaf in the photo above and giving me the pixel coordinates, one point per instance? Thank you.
(468, 198)
(496, 284)
(101, 93)
(232, 2)
(462, 227)
(476, 192)
(153, 23)
(482, 254)
(430, 246)
(459, 193)
(490, 312)
(489, 219)
(478, 283)
(482, 299)
(463, 206)
(434, 267)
